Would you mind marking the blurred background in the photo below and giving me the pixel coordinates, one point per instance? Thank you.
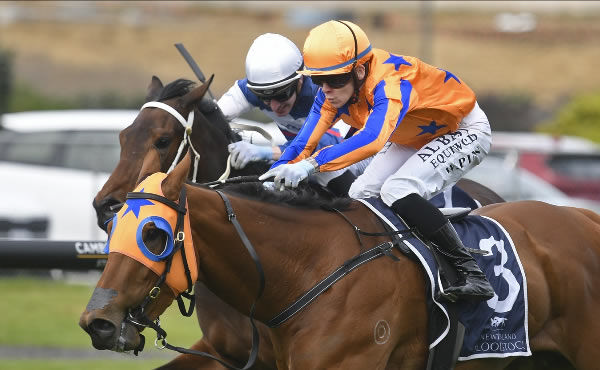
(74, 73)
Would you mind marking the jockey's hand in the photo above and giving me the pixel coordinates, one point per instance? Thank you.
(290, 174)
(243, 152)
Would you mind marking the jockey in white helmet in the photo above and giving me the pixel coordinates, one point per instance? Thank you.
(273, 85)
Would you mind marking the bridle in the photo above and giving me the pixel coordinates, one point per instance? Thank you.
(137, 316)
(187, 134)
(187, 124)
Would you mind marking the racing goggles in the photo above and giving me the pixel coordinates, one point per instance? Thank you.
(334, 81)
(279, 94)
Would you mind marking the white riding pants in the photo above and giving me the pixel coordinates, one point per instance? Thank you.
(397, 170)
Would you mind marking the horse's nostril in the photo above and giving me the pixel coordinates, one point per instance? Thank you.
(102, 328)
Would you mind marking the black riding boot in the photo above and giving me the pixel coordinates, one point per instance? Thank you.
(472, 284)
(431, 224)
(340, 185)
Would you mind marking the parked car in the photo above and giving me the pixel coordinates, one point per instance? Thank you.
(501, 174)
(571, 164)
(55, 162)
(52, 164)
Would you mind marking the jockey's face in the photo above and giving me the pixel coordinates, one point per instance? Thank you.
(338, 95)
(283, 108)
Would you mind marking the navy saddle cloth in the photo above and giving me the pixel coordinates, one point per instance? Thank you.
(493, 328)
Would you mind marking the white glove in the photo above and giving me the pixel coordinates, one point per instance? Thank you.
(243, 152)
(290, 174)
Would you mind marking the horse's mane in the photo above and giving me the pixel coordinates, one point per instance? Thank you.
(175, 89)
(305, 196)
(181, 87)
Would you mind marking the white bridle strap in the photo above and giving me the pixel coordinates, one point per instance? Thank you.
(186, 135)
(156, 104)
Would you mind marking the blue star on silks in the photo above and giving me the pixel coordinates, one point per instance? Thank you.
(134, 205)
(430, 128)
(397, 61)
(342, 110)
(449, 75)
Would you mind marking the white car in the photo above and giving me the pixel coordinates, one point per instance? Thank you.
(52, 164)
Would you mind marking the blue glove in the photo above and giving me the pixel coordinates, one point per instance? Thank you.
(290, 174)
(243, 152)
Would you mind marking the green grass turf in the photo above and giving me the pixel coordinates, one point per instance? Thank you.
(44, 313)
(80, 364)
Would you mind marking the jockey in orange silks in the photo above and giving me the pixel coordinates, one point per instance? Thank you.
(422, 124)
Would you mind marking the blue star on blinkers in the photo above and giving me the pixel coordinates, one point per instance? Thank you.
(449, 75)
(430, 128)
(397, 61)
(134, 205)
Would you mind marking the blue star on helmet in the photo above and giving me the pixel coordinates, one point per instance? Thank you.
(449, 75)
(134, 205)
(342, 110)
(430, 128)
(397, 61)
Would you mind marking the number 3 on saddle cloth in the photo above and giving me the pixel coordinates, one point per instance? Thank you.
(493, 328)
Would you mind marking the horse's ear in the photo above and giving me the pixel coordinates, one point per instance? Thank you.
(150, 165)
(171, 185)
(154, 89)
(194, 96)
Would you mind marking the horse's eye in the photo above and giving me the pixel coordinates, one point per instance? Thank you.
(154, 238)
(162, 143)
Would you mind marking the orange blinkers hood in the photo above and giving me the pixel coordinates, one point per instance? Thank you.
(126, 234)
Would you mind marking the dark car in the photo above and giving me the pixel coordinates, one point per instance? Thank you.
(577, 175)
(569, 163)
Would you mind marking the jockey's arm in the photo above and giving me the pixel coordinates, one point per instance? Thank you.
(383, 119)
(234, 102)
(317, 123)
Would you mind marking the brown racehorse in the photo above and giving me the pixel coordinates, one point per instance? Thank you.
(158, 129)
(559, 248)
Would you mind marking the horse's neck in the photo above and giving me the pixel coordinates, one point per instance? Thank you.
(211, 143)
(292, 260)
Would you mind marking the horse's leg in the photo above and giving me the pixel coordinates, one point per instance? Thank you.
(193, 362)
(228, 332)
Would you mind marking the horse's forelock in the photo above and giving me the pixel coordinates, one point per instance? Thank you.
(176, 89)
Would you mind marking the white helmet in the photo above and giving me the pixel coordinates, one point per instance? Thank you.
(272, 61)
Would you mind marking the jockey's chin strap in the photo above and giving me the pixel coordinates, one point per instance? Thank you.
(187, 124)
(137, 316)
